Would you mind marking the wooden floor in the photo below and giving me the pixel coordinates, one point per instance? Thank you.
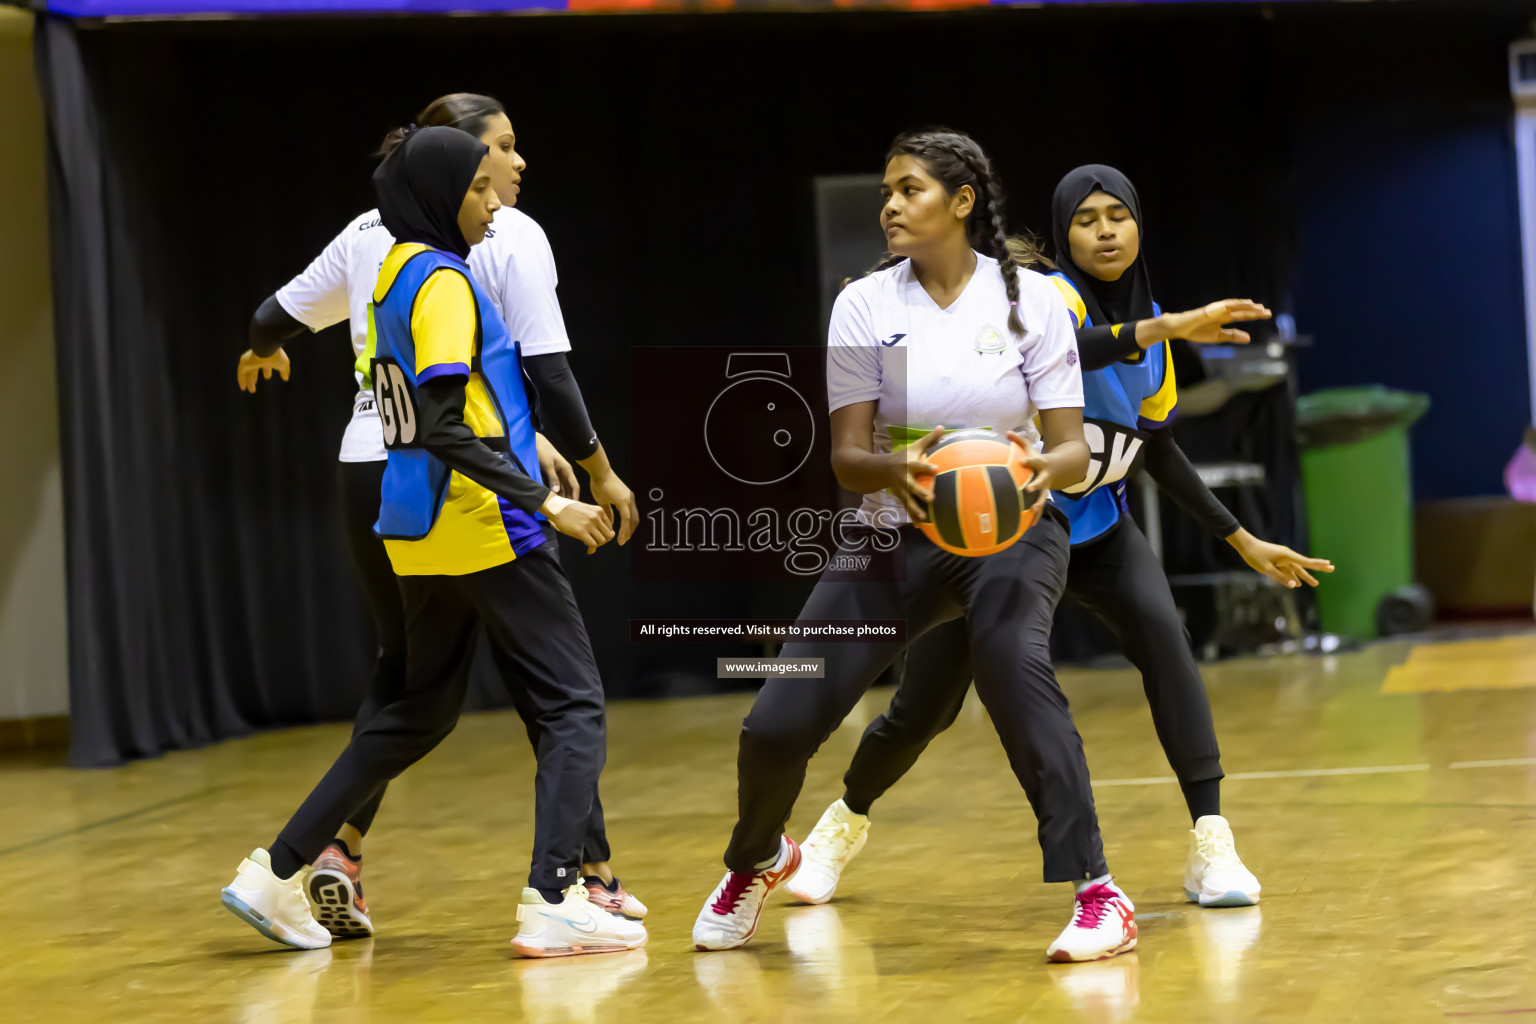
(1391, 816)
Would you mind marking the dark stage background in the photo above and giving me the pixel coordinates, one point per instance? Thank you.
(197, 166)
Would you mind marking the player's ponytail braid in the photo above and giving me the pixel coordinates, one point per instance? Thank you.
(955, 159)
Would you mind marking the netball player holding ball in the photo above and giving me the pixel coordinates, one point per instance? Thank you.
(516, 268)
(1131, 397)
(461, 514)
(950, 333)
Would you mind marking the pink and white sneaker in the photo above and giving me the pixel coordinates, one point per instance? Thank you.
(729, 917)
(1103, 925)
(620, 901)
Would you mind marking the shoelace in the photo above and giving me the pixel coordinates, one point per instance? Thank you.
(736, 886)
(1217, 848)
(835, 840)
(1092, 905)
(295, 895)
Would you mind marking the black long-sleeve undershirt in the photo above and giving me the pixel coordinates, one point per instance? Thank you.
(1098, 347)
(1171, 470)
(444, 434)
(562, 413)
(271, 327)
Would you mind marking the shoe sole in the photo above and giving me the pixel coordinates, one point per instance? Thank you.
(542, 952)
(1061, 956)
(1234, 898)
(805, 897)
(245, 912)
(789, 872)
(333, 901)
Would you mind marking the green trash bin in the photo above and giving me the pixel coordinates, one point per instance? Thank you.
(1354, 467)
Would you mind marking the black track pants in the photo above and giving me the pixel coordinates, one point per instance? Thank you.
(360, 485)
(530, 616)
(1119, 579)
(1007, 602)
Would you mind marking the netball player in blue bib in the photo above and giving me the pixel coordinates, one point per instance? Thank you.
(1129, 399)
(462, 511)
(516, 268)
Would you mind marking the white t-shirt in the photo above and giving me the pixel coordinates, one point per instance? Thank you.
(514, 265)
(960, 367)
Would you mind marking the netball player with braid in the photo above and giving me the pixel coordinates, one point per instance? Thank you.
(516, 268)
(1130, 392)
(983, 343)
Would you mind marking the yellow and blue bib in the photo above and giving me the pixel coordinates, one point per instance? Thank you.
(1121, 404)
(430, 318)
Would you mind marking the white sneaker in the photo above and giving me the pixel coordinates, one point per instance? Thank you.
(571, 927)
(837, 839)
(275, 907)
(729, 917)
(1103, 925)
(1214, 876)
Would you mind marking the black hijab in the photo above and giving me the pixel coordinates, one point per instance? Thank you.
(421, 185)
(1108, 302)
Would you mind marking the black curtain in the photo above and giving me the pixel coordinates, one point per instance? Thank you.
(208, 591)
(194, 167)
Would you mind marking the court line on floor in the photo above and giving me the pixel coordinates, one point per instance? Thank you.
(1487, 1013)
(115, 819)
(1508, 762)
(1298, 773)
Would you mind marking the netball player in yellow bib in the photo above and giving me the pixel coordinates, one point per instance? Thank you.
(517, 269)
(462, 514)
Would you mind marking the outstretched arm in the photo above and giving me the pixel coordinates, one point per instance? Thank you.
(1171, 470)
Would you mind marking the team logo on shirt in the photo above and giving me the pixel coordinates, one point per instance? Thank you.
(1113, 451)
(989, 341)
(894, 339)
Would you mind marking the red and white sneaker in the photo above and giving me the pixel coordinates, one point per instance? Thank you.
(620, 901)
(1103, 925)
(729, 917)
(335, 892)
